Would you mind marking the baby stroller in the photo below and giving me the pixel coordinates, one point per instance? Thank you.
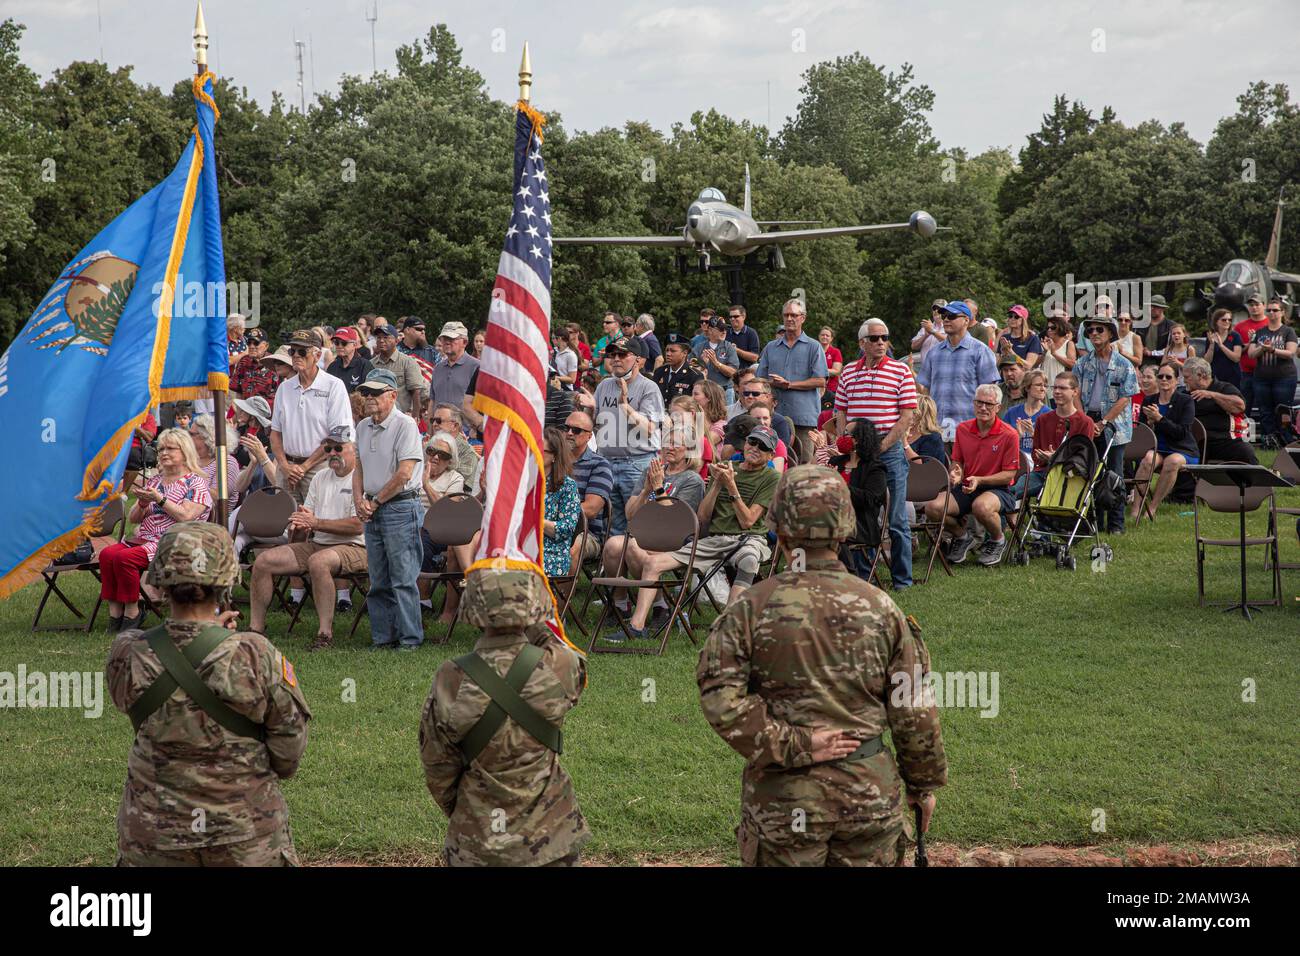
(1066, 510)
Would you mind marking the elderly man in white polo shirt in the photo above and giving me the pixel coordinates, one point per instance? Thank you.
(881, 390)
(307, 406)
(386, 491)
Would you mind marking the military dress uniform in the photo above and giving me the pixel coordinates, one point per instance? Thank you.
(498, 779)
(812, 649)
(199, 793)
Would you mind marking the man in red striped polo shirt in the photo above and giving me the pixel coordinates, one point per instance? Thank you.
(882, 390)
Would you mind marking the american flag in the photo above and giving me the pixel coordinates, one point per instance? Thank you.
(511, 390)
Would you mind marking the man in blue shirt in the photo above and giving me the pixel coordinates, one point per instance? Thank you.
(742, 336)
(796, 366)
(954, 368)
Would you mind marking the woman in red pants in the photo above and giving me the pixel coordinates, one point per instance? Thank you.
(179, 492)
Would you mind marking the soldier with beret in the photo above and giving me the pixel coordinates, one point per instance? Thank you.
(490, 734)
(219, 720)
(801, 676)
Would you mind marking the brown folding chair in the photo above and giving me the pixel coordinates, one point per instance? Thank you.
(1227, 500)
(111, 522)
(1199, 436)
(662, 525)
(927, 479)
(1016, 521)
(563, 586)
(1285, 466)
(1143, 441)
(589, 568)
(265, 514)
(451, 520)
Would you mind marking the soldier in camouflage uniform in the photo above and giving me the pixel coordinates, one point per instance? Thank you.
(511, 803)
(199, 793)
(799, 676)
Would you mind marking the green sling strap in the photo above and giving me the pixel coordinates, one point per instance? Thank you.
(506, 701)
(179, 671)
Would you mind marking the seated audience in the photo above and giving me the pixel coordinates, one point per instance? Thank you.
(762, 411)
(440, 478)
(595, 480)
(924, 439)
(203, 434)
(1021, 417)
(1170, 413)
(1052, 428)
(178, 492)
(1218, 404)
(334, 545)
(985, 459)
(563, 505)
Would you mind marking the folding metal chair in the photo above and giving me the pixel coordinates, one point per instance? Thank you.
(1285, 466)
(450, 521)
(1143, 441)
(927, 479)
(587, 569)
(110, 523)
(1227, 500)
(663, 525)
(563, 586)
(265, 514)
(1198, 436)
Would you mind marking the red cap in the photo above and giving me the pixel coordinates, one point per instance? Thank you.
(347, 333)
(824, 417)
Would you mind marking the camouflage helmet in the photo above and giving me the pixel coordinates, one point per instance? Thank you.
(505, 598)
(194, 552)
(812, 504)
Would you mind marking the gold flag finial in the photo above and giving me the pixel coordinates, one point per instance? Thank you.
(200, 41)
(525, 76)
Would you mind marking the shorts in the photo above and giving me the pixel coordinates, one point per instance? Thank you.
(352, 557)
(965, 501)
(715, 547)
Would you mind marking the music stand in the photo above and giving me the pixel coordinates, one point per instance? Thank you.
(1241, 477)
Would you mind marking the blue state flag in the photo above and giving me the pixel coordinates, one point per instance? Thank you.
(114, 336)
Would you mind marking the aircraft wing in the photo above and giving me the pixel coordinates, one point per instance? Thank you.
(675, 241)
(795, 235)
(1184, 277)
(1277, 276)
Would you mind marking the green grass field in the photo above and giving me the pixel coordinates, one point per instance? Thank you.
(1116, 693)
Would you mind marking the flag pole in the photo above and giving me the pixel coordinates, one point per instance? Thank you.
(218, 397)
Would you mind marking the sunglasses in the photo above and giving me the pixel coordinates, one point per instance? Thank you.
(754, 394)
(575, 430)
(298, 351)
(440, 421)
(791, 315)
(876, 338)
(331, 449)
(1272, 310)
(755, 443)
(1094, 329)
(1167, 378)
(442, 455)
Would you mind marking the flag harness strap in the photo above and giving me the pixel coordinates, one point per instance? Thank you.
(179, 671)
(506, 702)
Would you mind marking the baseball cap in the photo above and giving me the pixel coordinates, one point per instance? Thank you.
(1019, 311)
(379, 380)
(257, 406)
(1008, 360)
(255, 336)
(629, 344)
(764, 436)
(347, 334)
(384, 329)
(990, 323)
(413, 322)
(939, 304)
(454, 330)
(305, 337)
(1253, 297)
(340, 433)
(958, 308)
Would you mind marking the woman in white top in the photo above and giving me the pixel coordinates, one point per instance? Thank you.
(1059, 353)
(1129, 343)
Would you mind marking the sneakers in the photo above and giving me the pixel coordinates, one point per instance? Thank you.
(322, 642)
(960, 547)
(991, 552)
(617, 636)
(343, 607)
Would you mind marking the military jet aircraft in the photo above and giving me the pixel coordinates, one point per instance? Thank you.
(715, 226)
(1233, 284)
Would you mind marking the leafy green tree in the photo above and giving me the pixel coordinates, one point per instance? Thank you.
(18, 162)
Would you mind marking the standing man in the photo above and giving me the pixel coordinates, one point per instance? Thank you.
(1107, 383)
(203, 778)
(645, 331)
(335, 543)
(700, 336)
(1256, 319)
(801, 676)
(955, 367)
(348, 365)
(609, 324)
(1156, 337)
(250, 376)
(386, 493)
(719, 357)
(405, 370)
(931, 332)
(742, 336)
(451, 379)
(628, 411)
(498, 778)
(881, 390)
(415, 344)
(307, 406)
(796, 366)
(675, 377)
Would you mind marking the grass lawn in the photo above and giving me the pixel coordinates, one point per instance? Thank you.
(1116, 693)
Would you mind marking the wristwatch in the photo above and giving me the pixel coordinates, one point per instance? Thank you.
(659, 491)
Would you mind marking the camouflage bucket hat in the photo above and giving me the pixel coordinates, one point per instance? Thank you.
(812, 504)
(505, 598)
(194, 552)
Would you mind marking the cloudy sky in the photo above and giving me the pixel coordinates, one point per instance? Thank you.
(994, 64)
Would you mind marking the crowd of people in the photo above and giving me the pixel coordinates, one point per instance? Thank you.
(366, 426)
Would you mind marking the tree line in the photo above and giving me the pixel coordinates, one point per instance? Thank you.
(391, 195)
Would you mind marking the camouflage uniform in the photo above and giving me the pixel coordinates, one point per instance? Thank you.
(514, 805)
(196, 793)
(815, 649)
